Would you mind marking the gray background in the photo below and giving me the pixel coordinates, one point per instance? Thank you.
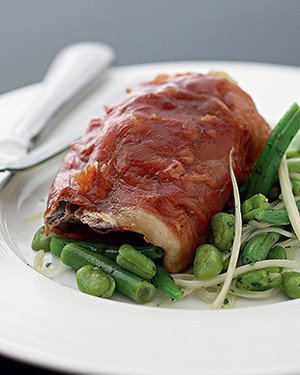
(32, 31)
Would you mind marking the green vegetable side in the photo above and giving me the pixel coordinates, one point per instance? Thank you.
(134, 272)
(265, 264)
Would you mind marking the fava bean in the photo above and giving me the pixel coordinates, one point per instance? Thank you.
(291, 284)
(92, 280)
(222, 225)
(277, 252)
(259, 280)
(133, 286)
(208, 262)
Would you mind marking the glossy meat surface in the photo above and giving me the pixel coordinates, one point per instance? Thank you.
(158, 164)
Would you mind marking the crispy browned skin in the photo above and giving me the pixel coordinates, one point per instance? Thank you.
(158, 164)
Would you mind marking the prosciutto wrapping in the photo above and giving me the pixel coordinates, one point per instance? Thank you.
(156, 165)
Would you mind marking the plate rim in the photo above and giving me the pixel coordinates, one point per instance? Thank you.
(264, 310)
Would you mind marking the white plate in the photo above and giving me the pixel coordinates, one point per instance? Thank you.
(52, 324)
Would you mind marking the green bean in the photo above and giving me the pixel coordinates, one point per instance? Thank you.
(165, 282)
(132, 260)
(277, 252)
(276, 217)
(92, 280)
(258, 247)
(58, 242)
(293, 150)
(225, 264)
(265, 170)
(222, 225)
(111, 251)
(291, 284)
(40, 240)
(151, 251)
(76, 256)
(259, 280)
(208, 262)
(253, 205)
